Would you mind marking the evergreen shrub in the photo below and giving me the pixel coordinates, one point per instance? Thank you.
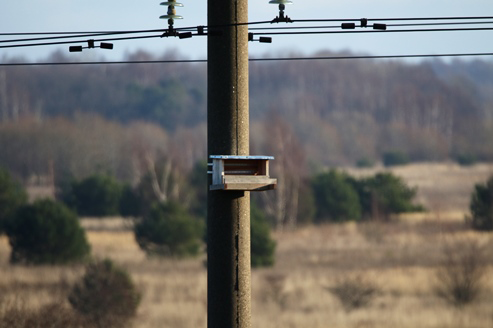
(384, 194)
(340, 197)
(365, 162)
(394, 158)
(12, 196)
(466, 159)
(335, 197)
(481, 206)
(168, 230)
(130, 202)
(106, 295)
(46, 232)
(98, 195)
(263, 246)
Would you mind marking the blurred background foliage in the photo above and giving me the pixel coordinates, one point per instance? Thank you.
(103, 117)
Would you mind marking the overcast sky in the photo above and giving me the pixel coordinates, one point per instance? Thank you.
(97, 15)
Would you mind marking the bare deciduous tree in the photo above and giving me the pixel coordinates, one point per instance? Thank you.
(288, 167)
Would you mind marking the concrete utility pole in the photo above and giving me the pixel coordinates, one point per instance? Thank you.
(228, 212)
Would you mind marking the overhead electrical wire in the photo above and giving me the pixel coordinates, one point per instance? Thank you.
(78, 41)
(388, 25)
(442, 23)
(51, 38)
(178, 61)
(378, 31)
(261, 22)
(65, 35)
(60, 35)
(82, 34)
(392, 19)
(353, 31)
(463, 20)
(375, 56)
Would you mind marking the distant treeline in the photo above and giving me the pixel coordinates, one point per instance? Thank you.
(334, 112)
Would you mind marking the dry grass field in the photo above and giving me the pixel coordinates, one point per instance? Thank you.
(399, 260)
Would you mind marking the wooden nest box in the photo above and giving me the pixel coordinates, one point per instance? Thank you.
(248, 173)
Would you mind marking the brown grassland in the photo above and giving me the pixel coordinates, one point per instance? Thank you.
(399, 259)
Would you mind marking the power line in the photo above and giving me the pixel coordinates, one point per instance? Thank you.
(375, 57)
(60, 35)
(79, 32)
(256, 23)
(393, 19)
(441, 23)
(388, 25)
(78, 41)
(125, 62)
(174, 61)
(261, 33)
(71, 36)
(65, 35)
(378, 31)
(96, 32)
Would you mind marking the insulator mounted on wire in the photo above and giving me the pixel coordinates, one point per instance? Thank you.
(261, 39)
(282, 5)
(91, 45)
(171, 16)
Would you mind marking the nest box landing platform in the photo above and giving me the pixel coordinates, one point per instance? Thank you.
(248, 173)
